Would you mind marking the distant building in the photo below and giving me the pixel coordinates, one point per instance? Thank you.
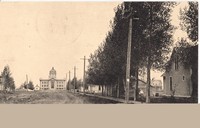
(142, 87)
(37, 87)
(52, 83)
(94, 88)
(157, 84)
(142, 74)
(91, 88)
(180, 78)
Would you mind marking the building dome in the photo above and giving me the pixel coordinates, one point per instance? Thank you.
(52, 73)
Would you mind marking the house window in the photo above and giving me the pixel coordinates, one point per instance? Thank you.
(176, 63)
(183, 78)
(170, 83)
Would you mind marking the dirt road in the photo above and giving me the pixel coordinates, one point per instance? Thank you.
(50, 97)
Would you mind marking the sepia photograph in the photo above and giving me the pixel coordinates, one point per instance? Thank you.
(99, 52)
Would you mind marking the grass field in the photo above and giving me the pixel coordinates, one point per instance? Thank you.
(49, 97)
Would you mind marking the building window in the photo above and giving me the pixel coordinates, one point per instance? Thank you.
(52, 84)
(183, 78)
(176, 63)
(170, 83)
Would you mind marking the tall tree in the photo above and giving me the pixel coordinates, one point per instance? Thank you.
(30, 85)
(8, 81)
(189, 20)
(77, 85)
(189, 52)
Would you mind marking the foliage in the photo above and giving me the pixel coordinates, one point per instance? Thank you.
(68, 85)
(108, 63)
(78, 83)
(30, 85)
(8, 81)
(189, 51)
(189, 20)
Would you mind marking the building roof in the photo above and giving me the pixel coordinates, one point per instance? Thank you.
(187, 55)
(51, 79)
(37, 86)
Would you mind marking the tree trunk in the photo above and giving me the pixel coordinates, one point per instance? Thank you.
(125, 90)
(118, 88)
(111, 90)
(148, 81)
(136, 86)
(102, 90)
(106, 90)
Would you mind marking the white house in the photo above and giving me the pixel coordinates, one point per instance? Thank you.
(37, 87)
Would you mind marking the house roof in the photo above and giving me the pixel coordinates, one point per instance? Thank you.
(37, 86)
(185, 53)
(163, 74)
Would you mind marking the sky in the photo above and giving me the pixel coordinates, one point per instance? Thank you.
(35, 37)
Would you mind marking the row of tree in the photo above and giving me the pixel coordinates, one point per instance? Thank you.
(151, 44)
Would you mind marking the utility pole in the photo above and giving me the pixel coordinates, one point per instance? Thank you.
(26, 82)
(84, 82)
(129, 52)
(66, 81)
(128, 61)
(74, 78)
(149, 60)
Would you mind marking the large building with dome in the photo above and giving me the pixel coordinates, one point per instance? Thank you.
(52, 83)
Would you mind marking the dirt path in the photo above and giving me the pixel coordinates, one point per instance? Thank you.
(50, 97)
